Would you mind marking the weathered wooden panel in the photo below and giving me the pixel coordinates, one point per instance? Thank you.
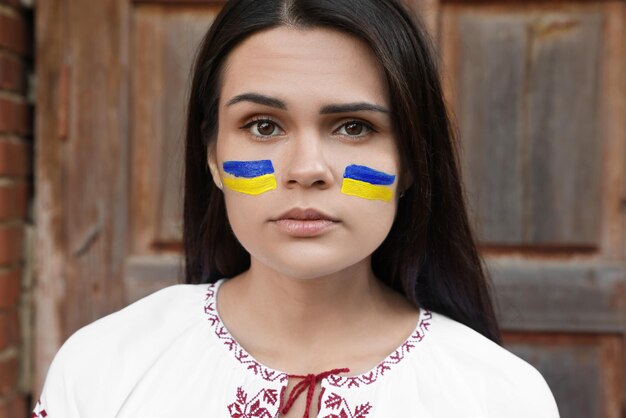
(584, 372)
(81, 168)
(96, 162)
(490, 79)
(564, 177)
(165, 40)
(614, 88)
(581, 296)
(527, 94)
(147, 274)
(50, 277)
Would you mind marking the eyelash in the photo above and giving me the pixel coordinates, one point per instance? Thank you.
(256, 120)
(246, 127)
(368, 127)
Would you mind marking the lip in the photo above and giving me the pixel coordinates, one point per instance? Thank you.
(307, 222)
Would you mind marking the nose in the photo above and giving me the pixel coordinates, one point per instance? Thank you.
(306, 164)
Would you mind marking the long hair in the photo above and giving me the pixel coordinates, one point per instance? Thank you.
(430, 254)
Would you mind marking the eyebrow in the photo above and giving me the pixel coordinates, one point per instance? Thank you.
(259, 99)
(353, 107)
(328, 109)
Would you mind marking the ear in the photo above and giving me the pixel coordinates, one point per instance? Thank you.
(213, 167)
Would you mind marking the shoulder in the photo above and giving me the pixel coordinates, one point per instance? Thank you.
(511, 386)
(120, 346)
(162, 311)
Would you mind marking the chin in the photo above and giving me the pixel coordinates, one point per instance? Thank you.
(311, 266)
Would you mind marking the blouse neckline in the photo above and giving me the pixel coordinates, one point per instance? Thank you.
(271, 375)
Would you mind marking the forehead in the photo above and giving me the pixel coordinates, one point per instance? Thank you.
(317, 64)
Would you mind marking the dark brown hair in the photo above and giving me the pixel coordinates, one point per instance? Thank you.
(430, 254)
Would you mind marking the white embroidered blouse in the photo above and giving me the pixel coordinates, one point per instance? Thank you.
(170, 355)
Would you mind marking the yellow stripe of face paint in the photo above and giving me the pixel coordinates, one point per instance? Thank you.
(254, 186)
(365, 190)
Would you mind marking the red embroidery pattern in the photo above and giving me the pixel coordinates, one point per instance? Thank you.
(240, 354)
(341, 409)
(263, 405)
(394, 358)
(39, 412)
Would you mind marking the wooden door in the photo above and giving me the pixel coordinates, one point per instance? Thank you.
(112, 79)
(164, 38)
(538, 92)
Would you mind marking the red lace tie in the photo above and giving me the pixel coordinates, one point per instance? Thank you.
(309, 380)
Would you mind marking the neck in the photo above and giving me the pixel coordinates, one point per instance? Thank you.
(304, 310)
(310, 325)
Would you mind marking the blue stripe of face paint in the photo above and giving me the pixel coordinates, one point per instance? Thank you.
(248, 169)
(368, 175)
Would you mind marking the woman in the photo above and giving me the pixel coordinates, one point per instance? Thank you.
(321, 179)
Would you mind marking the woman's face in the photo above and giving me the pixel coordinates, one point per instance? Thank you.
(305, 152)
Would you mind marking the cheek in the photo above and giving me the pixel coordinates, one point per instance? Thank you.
(247, 183)
(247, 214)
(249, 177)
(370, 219)
(367, 183)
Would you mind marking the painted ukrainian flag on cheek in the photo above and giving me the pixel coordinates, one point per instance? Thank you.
(365, 182)
(249, 177)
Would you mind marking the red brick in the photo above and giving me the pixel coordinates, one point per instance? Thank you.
(10, 243)
(9, 329)
(10, 282)
(9, 369)
(11, 73)
(14, 116)
(13, 33)
(14, 158)
(13, 200)
(14, 406)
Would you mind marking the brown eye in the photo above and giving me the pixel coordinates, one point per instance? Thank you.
(355, 129)
(263, 128)
(266, 128)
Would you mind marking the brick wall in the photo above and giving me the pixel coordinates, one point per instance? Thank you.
(15, 194)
